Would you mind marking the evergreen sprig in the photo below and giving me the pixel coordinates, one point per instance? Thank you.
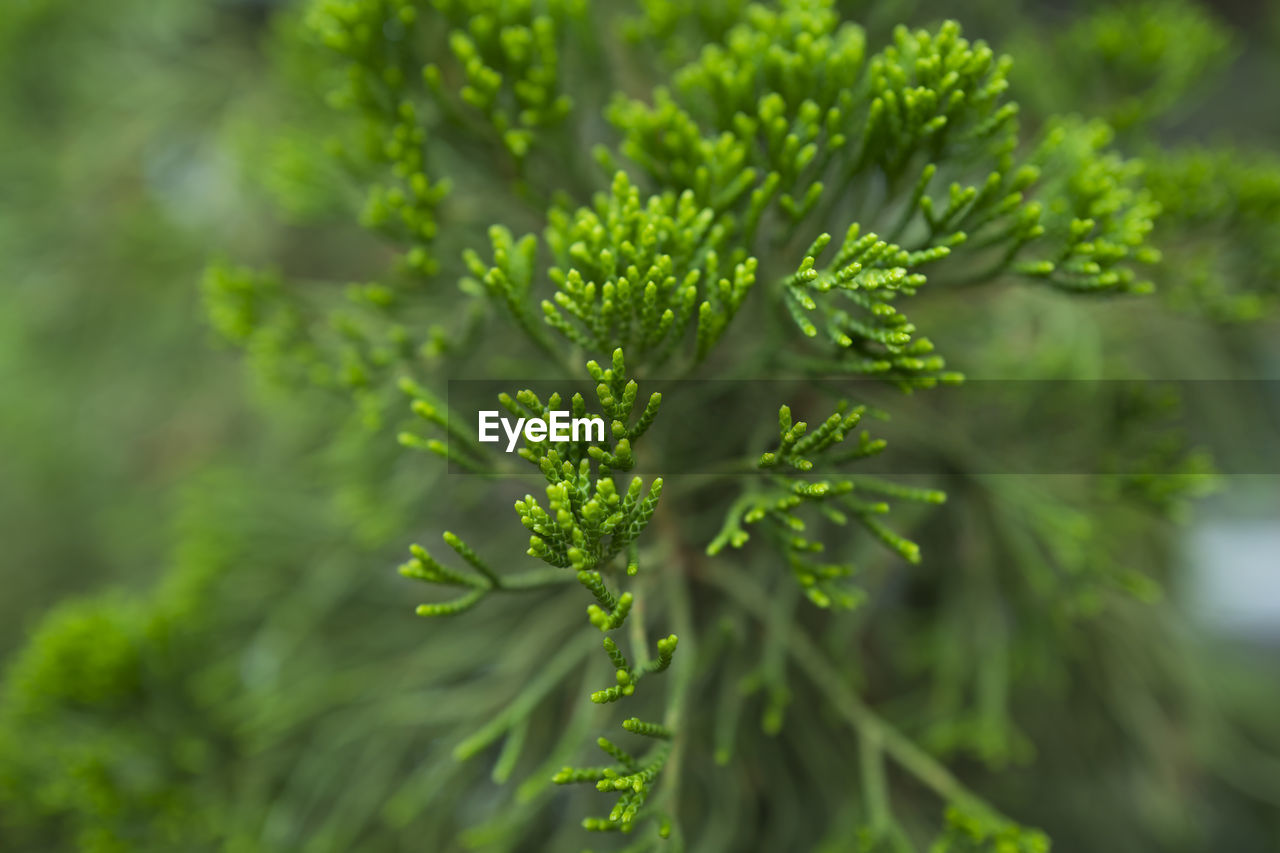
(506, 66)
(640, 274)
(968, 831)
(586, 524)
(788, 111)
(853, 300)
(838, 500)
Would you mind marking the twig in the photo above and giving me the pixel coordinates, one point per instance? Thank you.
(870, 726)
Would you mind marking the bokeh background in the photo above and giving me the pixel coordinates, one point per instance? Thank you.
(154, 495)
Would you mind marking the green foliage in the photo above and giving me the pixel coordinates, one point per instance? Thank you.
(783, 122)
(1097, 220)
(587, 523)
(141, 769)
(968, 833)
(1145, 64)
(1221, 208)
(871, 275)
(628, 273)
(1134, 62)
(779, 499)
(676, 203)
(506, 57)
(84, 655)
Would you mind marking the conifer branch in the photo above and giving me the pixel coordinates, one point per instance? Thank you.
(778, 123)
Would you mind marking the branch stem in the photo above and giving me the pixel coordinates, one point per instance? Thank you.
(872, 728)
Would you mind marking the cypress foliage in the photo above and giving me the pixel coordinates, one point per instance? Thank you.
(612, 194)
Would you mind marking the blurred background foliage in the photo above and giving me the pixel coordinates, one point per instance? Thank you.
(204, 644)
